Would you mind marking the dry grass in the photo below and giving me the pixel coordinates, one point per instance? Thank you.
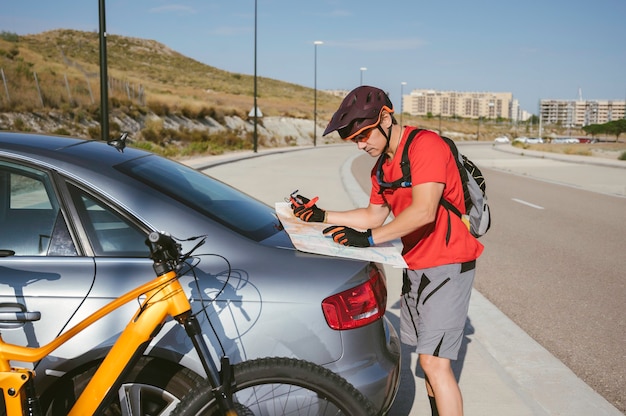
(609, 150)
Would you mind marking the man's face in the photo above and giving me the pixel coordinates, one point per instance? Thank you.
(372, 141)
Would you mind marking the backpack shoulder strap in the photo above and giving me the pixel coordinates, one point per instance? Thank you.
(404, 162)
(405, 180)
(464, 178)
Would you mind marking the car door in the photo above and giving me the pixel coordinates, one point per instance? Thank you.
(122, 261)
(41, 269)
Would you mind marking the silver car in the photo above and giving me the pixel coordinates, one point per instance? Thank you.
(74, 216)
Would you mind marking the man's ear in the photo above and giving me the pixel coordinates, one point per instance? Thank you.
(385, 120)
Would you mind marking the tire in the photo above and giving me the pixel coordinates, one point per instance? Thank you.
(153, 387)
(281, 386)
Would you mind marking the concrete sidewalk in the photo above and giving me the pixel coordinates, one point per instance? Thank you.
(501, 370)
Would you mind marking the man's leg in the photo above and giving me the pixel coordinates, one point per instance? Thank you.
(441, 383)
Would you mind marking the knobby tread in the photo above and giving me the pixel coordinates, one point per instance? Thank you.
(334, 388)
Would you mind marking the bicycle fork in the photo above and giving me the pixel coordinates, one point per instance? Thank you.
(221, 382)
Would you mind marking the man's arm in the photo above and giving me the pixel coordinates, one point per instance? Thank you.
(361, 218)
(422, 211)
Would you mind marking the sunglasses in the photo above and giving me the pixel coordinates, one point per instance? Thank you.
(361, 137)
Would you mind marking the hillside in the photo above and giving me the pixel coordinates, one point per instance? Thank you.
(164, 99)
(166, 76)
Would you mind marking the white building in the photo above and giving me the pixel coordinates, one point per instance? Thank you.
(580, 113)
(488, 105)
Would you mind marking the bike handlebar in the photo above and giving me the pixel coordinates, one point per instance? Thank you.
(164, 250)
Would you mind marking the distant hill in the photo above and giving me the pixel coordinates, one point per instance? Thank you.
(141, 68)
(170, 103)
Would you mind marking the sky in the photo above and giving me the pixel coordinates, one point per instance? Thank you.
(534, 49)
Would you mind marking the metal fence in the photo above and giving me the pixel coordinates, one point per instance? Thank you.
(55, 91)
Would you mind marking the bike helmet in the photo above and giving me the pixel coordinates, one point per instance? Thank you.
(360, 110)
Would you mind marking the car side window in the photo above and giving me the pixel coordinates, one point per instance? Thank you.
(31, 223)
(109, 232)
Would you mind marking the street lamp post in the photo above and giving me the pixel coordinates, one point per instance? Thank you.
(104, 78)
(256, 138)
(402, 84)
(317, 42)
(491, 110)
(440, 121)
(363, 69)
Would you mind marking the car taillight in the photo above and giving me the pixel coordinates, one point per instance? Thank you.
(359, 306)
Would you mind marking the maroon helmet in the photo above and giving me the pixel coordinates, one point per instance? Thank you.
(360, 110)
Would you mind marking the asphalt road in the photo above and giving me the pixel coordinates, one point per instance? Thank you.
(554, 260)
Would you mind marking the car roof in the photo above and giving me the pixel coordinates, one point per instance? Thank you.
(60, 149)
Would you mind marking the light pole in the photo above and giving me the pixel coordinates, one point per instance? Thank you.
(255, 92)
(104, 78)
(440, 120)
(363, 69)
(317, 42)
(479, 105)
(402, 84)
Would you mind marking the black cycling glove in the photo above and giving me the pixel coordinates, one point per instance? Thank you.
(349, 236)
(307, 211)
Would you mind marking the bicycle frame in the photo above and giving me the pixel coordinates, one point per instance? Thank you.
(164, 296)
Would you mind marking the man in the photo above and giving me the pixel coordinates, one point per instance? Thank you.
(437, 246)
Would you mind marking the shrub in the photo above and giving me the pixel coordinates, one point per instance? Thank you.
(622, 156)
(61, 131)
(159, 108)
(9, 36)
(519, 144)
(19, 125)
(94, 132)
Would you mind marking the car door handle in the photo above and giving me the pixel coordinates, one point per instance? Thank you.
(19, 316)
(16, 313)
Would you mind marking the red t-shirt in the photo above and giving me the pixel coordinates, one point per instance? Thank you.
(431, 161)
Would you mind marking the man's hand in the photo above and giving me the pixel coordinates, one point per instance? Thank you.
(306, 210)
(349, 236)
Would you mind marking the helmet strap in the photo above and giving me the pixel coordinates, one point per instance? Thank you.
(386, 134)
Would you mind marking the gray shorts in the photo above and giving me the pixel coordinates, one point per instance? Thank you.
(434, 308)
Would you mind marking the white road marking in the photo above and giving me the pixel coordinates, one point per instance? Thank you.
(527, 203)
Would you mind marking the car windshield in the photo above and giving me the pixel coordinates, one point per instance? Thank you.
(232, 208)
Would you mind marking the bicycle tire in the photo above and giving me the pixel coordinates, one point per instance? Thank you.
(153, 387)
(281, 386)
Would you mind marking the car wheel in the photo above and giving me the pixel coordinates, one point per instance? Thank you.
(153, 387)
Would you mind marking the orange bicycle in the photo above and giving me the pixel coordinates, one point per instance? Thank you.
(265, 386)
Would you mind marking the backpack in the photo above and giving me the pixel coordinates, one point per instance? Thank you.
(478, 216)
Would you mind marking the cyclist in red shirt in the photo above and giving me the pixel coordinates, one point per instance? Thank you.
(437, 246)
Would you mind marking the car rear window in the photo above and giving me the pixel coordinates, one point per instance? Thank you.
(217, 200)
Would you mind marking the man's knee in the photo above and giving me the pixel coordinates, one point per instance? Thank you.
(434, 365)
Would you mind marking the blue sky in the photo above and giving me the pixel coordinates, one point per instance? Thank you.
(535, 49)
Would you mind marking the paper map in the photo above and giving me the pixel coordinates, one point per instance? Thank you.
(308, 237)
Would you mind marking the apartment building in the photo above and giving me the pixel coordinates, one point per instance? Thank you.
(473, 105)
(580, 113)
